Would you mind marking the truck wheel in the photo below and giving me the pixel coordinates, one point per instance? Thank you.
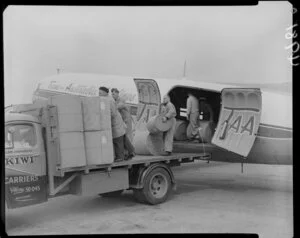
(112, 194)
(157, 186)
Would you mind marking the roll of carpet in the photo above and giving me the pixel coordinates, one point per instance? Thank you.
(148, 144)
(156, 125)
(206, 131)
(180, 130)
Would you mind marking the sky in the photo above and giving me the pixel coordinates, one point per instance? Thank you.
(243, 44)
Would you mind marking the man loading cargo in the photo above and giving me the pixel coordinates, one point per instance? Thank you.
(169, 113)
(192, 115)
(120, 141)
(124, 111)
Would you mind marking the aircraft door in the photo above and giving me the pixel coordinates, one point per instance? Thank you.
(239, 120)
(149, 101)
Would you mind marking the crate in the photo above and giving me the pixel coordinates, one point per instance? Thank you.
(107, 146)
(99, 147)
(69, 113)
(80, 131)
(72, 150)
(96, 113)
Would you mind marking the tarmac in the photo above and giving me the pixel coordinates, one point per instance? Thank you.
(214, 197)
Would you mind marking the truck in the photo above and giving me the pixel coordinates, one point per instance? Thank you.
(52, 151)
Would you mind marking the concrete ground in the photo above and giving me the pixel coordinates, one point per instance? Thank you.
(210, 198)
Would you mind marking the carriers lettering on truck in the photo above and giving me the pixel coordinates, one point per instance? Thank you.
(24, 190)
(25, 176)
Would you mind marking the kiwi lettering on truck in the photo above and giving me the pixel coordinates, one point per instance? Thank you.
(25, 168)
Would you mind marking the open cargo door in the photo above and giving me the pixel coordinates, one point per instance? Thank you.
(149, 102)
(239, 120)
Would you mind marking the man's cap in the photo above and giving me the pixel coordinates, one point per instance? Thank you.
(114, 90)
(104, 89)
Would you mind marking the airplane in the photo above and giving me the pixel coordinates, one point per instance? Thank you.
(251, 125)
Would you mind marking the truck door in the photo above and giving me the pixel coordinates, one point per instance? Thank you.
(25, 164)
(239, 120)
(149, 101)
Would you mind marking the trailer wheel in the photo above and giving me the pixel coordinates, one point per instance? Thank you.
(112, 194)
(157, 186)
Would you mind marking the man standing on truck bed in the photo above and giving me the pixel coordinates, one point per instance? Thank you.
(169, 113)
(118, 129)
(124, 111)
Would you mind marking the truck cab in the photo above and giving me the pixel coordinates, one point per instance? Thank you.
(25, 161)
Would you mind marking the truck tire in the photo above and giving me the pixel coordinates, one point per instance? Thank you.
(157, 187)
(112, 194)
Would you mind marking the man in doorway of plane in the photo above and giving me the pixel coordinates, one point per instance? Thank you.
(192, 115)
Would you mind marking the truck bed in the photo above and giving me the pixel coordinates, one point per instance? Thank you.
(146, 159)
(141, 159)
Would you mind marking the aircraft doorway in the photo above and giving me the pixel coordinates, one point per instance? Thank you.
(208, 115)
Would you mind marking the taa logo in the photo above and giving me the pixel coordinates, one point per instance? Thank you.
(238, 127)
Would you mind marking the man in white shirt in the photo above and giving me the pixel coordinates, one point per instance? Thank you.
(192, 115)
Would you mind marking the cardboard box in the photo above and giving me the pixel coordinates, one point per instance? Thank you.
(96, 113)
(107, 146)
(72, 150)
(69, 112)
(99, 147)
(82, 129)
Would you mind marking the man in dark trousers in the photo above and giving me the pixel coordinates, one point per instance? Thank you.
(126, 116)
(124, 111)
(118, 127)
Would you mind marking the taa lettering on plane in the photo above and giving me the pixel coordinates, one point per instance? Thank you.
(238, 128)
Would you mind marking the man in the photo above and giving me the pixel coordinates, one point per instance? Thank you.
(117, 126)
(169, 113)
(124, 111)
(126, 116)
(192, 115)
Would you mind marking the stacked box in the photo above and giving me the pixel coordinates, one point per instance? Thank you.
(99, 148)
(83, 130)
(72, 151)
(107, 147)
(68, 127)
(69, 114)
(97, 127)
(96, 113)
